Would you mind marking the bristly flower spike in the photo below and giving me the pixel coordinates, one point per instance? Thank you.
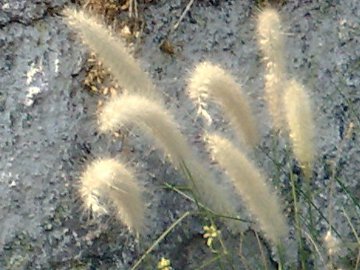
(271, 42)
(251, 185)
(300, 125)
(159, 125)
(209, 81)
(112, 52)
(108, 182)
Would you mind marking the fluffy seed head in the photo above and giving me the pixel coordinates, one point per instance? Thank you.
(108, 182)
(251, 185)
(150, 117)
(160, 126)
(270, 35)
(111, 51)
(332, 243)
(271, 42)
(209, 81)
(300, 124)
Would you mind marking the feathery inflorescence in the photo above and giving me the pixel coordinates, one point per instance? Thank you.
(271, 42)
(209, 81)
(300, 124)
(112, 52)
(109, 181)
(251, 185)
(159, 125)
(144, 109)
(151, 117)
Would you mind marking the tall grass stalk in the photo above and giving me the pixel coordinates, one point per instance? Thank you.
(112, 52)
(160, 126)
(107, 180)
(159, 239)
(251, 185)
(210, 82)
(271, 42)
(299, 236)
(301, 129)
(357, 263)
(301, 125)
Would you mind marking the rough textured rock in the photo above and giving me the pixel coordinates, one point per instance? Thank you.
(25, 12)
(48, 128)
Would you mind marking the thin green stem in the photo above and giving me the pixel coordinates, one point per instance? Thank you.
(315, 246)
(225, 252)
(356, 236)
(160, 238)
(261, 251)
(300, 192)
(354, 200)
(188, 175)
(297, 223)
(209, 262)
(320, 213)
(202, 206)
(281, 253)
(310, 202)
(275, 150)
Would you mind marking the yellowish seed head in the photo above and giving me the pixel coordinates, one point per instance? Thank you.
(209, 82)
(271, 42)
(108, 182)
(301, 125)
(251, 185)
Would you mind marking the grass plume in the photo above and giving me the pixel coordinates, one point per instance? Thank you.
(271, 43)
(111, 51)
(160, 126)
(107, 180)
(300, 124)
(209, 81)
(251, 185)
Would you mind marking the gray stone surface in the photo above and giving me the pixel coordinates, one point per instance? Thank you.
(48, 131)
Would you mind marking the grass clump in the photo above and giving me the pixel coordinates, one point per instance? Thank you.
(143, 107)
(160, 126)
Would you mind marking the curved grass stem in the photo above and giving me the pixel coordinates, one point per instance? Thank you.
(297, 223)
(160, 238)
